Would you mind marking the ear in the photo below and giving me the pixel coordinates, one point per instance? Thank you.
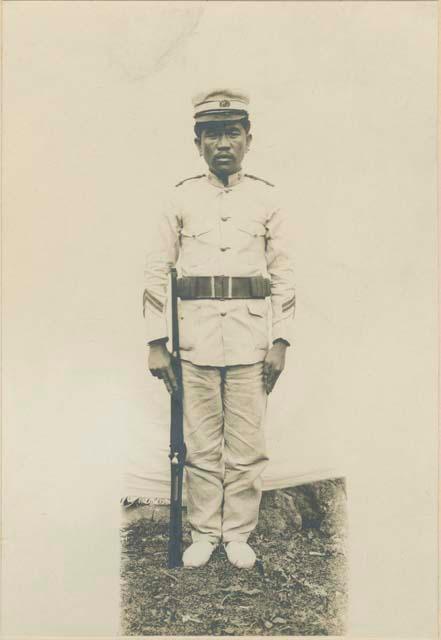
(249, 139)
(197, 142)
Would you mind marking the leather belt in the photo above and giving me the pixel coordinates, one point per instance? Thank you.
(223, 287)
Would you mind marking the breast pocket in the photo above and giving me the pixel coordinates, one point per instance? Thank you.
(198, 239)
(196, 230)
(250, 239)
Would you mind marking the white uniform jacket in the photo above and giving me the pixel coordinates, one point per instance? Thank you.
(208, 229)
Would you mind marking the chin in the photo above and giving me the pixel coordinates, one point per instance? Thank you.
(225, 170)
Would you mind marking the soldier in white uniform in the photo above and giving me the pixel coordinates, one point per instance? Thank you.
(229, 233)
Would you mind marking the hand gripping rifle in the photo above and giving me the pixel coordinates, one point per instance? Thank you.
(177, 444)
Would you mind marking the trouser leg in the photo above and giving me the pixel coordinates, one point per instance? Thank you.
(244, 400)
(203, 433)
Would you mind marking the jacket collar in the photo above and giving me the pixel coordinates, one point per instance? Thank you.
(233, 179)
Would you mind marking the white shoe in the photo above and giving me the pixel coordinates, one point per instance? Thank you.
(198, 554)
(240, 554)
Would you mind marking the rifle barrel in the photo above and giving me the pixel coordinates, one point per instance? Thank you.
(177, 445)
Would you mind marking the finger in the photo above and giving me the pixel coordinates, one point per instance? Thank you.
(163, 373)
(266, 370)
(168, 385)
(267, 383)
(172, 379)
(267, 376)
(269, 371)
(274, 378)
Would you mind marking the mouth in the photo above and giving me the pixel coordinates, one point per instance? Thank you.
(223, 158)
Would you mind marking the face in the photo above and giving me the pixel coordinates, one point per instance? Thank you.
(223, 145)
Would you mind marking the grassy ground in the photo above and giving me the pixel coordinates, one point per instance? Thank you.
(297, 587)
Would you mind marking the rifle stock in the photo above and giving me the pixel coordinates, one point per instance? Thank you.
(177, 445)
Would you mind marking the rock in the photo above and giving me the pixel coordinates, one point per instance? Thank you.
(322, 504)
(332, 497)
(307, 505)
(278, 512)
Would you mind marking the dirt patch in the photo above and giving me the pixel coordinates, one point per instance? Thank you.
(297, 587)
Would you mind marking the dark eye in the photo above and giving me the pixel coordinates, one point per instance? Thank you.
(211, 134)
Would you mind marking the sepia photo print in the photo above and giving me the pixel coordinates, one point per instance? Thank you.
(220, 337)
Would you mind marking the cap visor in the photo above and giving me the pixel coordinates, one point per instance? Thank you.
(220, 116)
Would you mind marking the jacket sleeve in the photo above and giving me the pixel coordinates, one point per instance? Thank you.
(161, 258)
(281, 272)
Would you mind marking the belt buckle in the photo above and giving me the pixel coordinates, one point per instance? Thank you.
(221, 287)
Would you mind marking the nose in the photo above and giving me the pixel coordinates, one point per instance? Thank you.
(223, 142)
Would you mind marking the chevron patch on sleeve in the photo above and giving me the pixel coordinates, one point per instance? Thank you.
(289, 304)
(150, 299)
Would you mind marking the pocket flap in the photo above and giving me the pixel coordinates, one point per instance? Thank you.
(195, 228)
(255, 229)
(189, 309)
(257, 308)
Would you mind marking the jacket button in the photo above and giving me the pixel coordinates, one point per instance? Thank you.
(224, 313)
(224, 218)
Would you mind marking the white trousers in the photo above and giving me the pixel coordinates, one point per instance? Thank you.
(224, 410)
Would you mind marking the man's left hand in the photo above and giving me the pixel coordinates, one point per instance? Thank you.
(273, 365)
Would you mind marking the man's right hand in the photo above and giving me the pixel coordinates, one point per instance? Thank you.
(160, 365)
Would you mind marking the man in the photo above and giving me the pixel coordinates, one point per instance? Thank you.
(229, 233)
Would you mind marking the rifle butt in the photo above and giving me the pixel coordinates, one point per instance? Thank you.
(175, 525)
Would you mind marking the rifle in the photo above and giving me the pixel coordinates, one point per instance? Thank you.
(177, 444)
